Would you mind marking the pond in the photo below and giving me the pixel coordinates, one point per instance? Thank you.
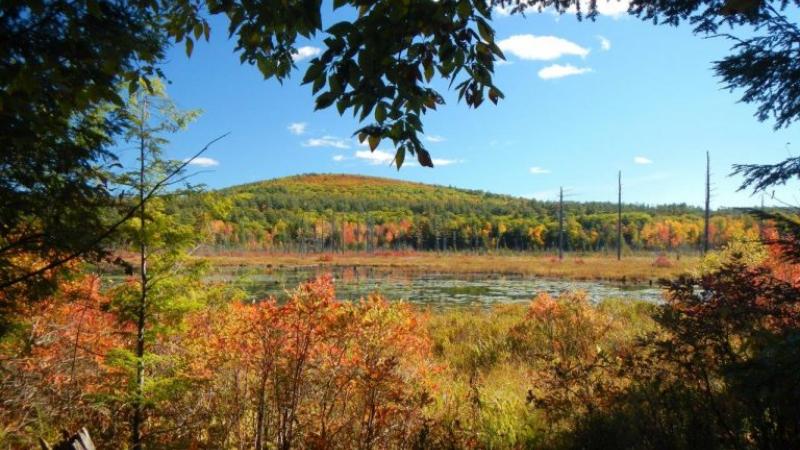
(435, 289)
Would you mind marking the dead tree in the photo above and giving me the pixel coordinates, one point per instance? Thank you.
(619, 218)
(706, 230)
(78, 441)
(561, 223)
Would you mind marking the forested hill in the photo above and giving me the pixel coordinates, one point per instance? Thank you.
(334, 212)
(349, 193)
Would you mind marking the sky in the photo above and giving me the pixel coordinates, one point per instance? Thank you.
(584, 100)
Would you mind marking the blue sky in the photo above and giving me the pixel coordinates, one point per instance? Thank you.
(583, 100)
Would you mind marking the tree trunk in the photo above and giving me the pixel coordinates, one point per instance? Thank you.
(138, 413)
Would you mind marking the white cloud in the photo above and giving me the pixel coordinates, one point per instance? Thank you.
(297, 128)
(541, 48)
(642, 160)
(338, 158)
(202, 161)
(605, 44)
(561, 71)
(306, 52)
(611, 8)
(326, 141)
(536, 170)
(434, 138)
(375, 158)
(445, 162)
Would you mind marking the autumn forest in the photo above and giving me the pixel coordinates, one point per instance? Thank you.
(319, 213)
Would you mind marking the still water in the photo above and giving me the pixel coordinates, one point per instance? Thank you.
(435, 289)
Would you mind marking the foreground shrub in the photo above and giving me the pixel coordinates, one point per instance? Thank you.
(314, 372)
(719, 372)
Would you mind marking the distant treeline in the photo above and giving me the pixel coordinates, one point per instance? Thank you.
(343, 212)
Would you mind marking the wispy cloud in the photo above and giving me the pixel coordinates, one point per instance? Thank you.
(536, 170)
(297, 128)
(434, 138)
(383, 157)
(376, 157)
(306, 52)
(561, 70)
(540, 48)
(326, 141)
(445, 162)
(202, 161)
(605, 44)
(642, 160)
(338, 158)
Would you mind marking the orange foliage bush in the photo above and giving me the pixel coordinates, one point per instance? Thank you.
(562, 339)
(58, 367)
(314, 372)
(662, 261)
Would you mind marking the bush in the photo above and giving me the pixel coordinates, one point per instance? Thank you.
(662, 261)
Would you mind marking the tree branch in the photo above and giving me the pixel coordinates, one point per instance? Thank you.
(103, 236)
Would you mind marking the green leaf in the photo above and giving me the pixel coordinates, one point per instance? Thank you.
(399, 157)
(189, 46)
(263, 67)
(340, 28)
(319, 83)
(380, 112)
(374, 140)
(493, 96)
(428, 71)
(314, 71)
(325, 100)
(486, 32)
(424, 158)
(464, 9)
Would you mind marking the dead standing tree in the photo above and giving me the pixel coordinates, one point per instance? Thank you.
(78, 441)
(706, 226)
(619, 217)
(560, 223)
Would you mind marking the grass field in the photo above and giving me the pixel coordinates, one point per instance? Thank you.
(585, 267)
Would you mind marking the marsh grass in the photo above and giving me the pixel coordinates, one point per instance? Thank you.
(633, 269)
(490, 369)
